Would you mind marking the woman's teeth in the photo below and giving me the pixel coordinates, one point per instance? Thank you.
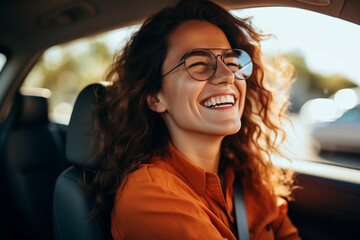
(220, 101)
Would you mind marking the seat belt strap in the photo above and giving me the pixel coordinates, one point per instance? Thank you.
(240, 210)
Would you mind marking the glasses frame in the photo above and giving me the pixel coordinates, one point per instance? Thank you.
(222, 58)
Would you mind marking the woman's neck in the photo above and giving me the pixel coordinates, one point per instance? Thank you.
(202, 150)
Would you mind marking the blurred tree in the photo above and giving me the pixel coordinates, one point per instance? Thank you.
(67, 69)
(310, 84)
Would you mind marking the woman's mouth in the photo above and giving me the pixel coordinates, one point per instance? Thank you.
(219, 101)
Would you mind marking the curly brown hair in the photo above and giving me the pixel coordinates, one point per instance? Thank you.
(130, 134)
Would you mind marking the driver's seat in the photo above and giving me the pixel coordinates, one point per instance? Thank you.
(71, 206)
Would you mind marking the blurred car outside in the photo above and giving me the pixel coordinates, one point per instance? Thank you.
(341, 135)
(330, 109)
(334, 122)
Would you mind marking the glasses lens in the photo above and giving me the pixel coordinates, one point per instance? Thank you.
(239, 62)
(200, 64)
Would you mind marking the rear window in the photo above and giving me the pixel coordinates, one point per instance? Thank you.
(66, 69)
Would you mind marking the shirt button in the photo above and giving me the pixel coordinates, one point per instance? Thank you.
(267, 227)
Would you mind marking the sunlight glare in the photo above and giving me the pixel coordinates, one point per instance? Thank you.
(53, 57)
(319, 110)
(345, 98)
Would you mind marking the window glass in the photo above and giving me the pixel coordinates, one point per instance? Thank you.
(66, 69)
(2, 61)
(324, 51)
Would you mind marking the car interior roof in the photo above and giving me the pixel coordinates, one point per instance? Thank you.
(46, 23)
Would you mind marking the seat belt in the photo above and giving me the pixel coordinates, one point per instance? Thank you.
(240, 210)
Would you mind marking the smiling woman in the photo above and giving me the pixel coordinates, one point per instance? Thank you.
(185, 113)
(182, 100)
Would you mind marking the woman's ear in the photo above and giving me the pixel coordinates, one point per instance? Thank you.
(155, 104)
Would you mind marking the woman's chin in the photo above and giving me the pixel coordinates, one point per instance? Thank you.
(225, 129)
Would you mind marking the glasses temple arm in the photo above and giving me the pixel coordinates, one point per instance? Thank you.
(173, 69)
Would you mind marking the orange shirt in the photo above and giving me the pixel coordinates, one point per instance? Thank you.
(171, 198)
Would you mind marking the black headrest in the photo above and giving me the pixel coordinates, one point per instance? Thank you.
(79, 149)
(33, 110)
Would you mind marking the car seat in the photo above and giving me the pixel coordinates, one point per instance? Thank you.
(71, 206)
(32, 156)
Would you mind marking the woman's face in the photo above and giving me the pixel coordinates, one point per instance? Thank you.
(183, 101)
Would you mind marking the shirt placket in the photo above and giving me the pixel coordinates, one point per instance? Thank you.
(214, 187)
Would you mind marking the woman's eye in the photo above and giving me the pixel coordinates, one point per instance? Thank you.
(197, 64)
(199, 67)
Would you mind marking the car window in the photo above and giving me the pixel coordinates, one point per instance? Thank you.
(324, 52)
(66, 69)
(2, 61)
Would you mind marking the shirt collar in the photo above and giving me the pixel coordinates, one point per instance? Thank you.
(192, 174)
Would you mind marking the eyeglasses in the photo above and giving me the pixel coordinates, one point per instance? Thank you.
(201, 63)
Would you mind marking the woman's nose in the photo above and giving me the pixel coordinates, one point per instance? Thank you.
(222, 74)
